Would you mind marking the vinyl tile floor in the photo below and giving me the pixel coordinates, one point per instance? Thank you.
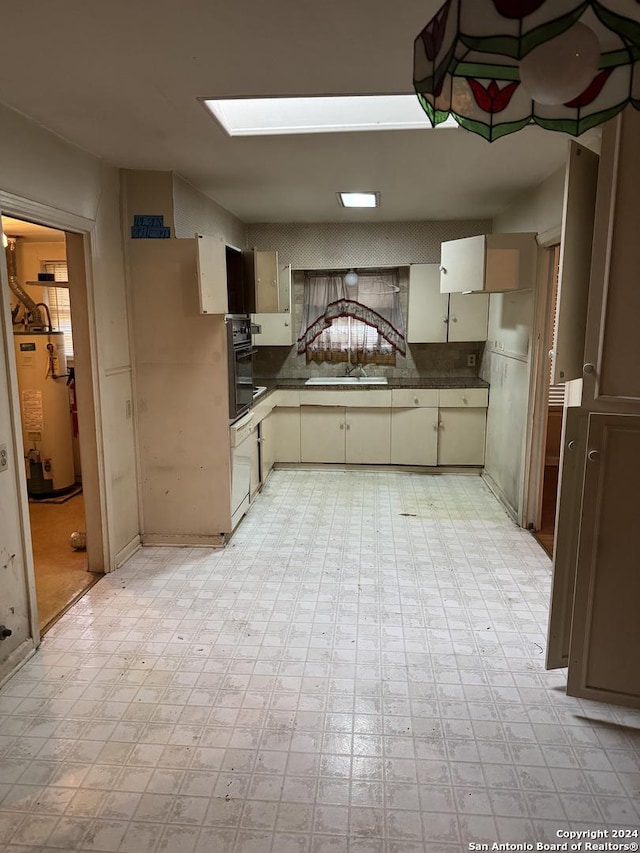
(361, 670)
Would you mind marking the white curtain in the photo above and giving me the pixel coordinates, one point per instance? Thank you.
(364, 322)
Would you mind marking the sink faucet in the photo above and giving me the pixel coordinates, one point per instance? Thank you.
(352, 368)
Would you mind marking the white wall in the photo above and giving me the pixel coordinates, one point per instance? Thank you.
(38, 168)
(506, 361)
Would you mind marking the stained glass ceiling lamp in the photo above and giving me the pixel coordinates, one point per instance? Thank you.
(498, 65)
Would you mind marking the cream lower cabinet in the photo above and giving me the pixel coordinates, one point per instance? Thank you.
(414, 436)
(414, 426)
(359, 436)
(461, 436)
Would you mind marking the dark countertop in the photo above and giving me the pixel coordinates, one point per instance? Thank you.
(418, 382)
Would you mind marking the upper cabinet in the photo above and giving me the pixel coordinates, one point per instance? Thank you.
(212, 275)
(225, 277)
(435, 317)
(276, 327)
(273, 284)
(489, 263)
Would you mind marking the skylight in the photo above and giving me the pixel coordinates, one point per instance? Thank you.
(361, 199)
(273, 116)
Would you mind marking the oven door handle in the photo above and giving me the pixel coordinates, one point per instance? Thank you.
(240, 354)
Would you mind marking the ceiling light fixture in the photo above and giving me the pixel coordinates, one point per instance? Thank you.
(359, 199)
(273, 116)
(351, 278)
(498, 65)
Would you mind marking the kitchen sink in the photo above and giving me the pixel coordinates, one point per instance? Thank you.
(347, 380)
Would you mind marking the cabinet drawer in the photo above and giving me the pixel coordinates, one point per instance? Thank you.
(461, 398)
(287, 397)
(368, 399)
(409, 398)
(241, 429)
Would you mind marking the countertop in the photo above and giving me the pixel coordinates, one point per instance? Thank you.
(419, 382)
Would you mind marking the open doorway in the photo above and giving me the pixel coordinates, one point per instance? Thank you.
(46, 371)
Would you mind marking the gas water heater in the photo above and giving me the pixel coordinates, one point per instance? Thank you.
(44, 407)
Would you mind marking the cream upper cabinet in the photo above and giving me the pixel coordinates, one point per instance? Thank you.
(468, 317)
(276, 326)
(435, 317)
(212, 274)
(489, 263)
(428, 310)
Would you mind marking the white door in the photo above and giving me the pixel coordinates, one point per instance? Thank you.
(428, 310)
(581, 179)
(212, 274)
(468, 316)
(322, 434)
(276, 330)
(605, 634)
(414, 436)
(567, 527)
(462, 264)
(368, 436)
(266, 272)
(461, 436)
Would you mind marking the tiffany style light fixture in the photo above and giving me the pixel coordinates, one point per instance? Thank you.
(498, 65)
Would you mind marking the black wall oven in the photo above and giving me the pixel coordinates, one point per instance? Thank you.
(240, 356)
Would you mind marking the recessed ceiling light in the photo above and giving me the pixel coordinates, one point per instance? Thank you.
(272, 116)
(362, 199)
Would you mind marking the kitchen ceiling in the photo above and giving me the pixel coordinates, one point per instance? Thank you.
(122, 80)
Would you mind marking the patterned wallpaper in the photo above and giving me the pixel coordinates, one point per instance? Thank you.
(339, 244)
(195, 213)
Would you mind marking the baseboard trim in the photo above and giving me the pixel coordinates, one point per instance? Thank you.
(128, 551)
(432, 470)
(16, 660)
(185, 540)
(495, 489)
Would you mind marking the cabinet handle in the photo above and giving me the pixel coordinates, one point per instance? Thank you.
(341, 426)
(465, 400)
(572, 444)
(416, 400)
(593, 455)
(286, 325)
(589, 368)
(445, 319)
(436, 427)
(348, 426)
(443, 270)
(440, 425)
(454, 319)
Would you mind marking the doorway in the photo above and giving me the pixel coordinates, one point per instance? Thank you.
(46, 363)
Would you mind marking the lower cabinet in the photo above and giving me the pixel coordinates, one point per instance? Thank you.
(360, 436)
(414, 436)
(461, 436)
(280, 438)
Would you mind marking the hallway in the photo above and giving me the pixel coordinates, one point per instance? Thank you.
(361, 670)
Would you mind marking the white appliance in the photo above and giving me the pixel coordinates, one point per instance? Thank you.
(44, 409)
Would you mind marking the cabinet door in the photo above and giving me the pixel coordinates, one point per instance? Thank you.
(284, 288)
(266, 268)
(428, 309)
(461, 436)
(254, 462)
(468, 316)
(462, 265)
(368, 436)
(287, 434)
(277, 330)
(322, 434)
(267, 445)
(605, 632)
(581, 179)
(212, 274)
(414, 436)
